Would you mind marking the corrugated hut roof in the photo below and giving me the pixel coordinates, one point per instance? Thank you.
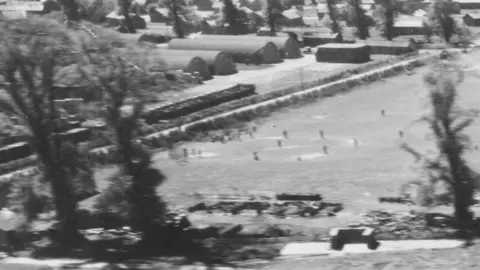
(342, 45)
(475, 16)
(278, 41)
(409, 22)
(224, 45)
(178, 62)
(208, 56)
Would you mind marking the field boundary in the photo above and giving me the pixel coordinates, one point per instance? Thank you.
(326, 90)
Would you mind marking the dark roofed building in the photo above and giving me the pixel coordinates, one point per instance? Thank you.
(262, 51)
(472, 19)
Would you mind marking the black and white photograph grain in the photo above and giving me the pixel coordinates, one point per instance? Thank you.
(239, 134)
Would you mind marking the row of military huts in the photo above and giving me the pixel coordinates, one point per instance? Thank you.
(209, 55)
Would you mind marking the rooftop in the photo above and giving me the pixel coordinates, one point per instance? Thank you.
(342, 45)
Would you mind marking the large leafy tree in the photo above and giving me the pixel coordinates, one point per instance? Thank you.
(71, 10)
(440, 18)
(388, 10)
(33, 56)
(231, 15)
(272, 10)
(356, 17)
(448, 122)
(125, 7)
(122, 74)
(333, 15)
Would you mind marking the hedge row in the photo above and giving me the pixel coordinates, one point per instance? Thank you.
(194, 104)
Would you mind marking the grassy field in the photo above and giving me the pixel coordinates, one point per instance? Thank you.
(355, 176)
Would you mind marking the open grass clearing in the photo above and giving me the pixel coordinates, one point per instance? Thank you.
(354, 176)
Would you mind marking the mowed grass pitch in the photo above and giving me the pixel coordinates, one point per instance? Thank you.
(354, 176)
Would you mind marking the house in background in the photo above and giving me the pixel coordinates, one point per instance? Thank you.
(419, 13)
(217, 6)
(468, 4)
(472, 19)
(20, 9)
(204, 5)
(291, 17)
(159, 15)
(309, 11)
(409, 25)
(312, 21)
(254, 5)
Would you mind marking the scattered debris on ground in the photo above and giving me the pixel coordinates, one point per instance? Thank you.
(280, 206)
(407, 224)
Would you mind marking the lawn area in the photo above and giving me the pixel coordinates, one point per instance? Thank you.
(353, 176)
(445, 259)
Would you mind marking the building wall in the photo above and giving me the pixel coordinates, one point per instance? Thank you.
(409, 30)
(468, 20)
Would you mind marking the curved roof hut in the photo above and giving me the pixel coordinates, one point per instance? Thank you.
(263, 52)
(219, 63)
(289, 48)
(189, 64)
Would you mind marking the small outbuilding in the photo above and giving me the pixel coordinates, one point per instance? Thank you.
(188, 64)
(288, 47)
(290, 17)
(389, 47)
(219, 63)
(114, 19)
(321, 38)
(472, 19)
(258, 51)
(409, 26)
(468, 4)
(342, 53)
(159, 15)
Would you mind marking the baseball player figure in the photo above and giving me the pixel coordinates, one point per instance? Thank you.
(382, 112)
(400, 133)
(355, 142)
(255, 156)
(325, 149)
(279, 143)
(285, 134)
(322, 134)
